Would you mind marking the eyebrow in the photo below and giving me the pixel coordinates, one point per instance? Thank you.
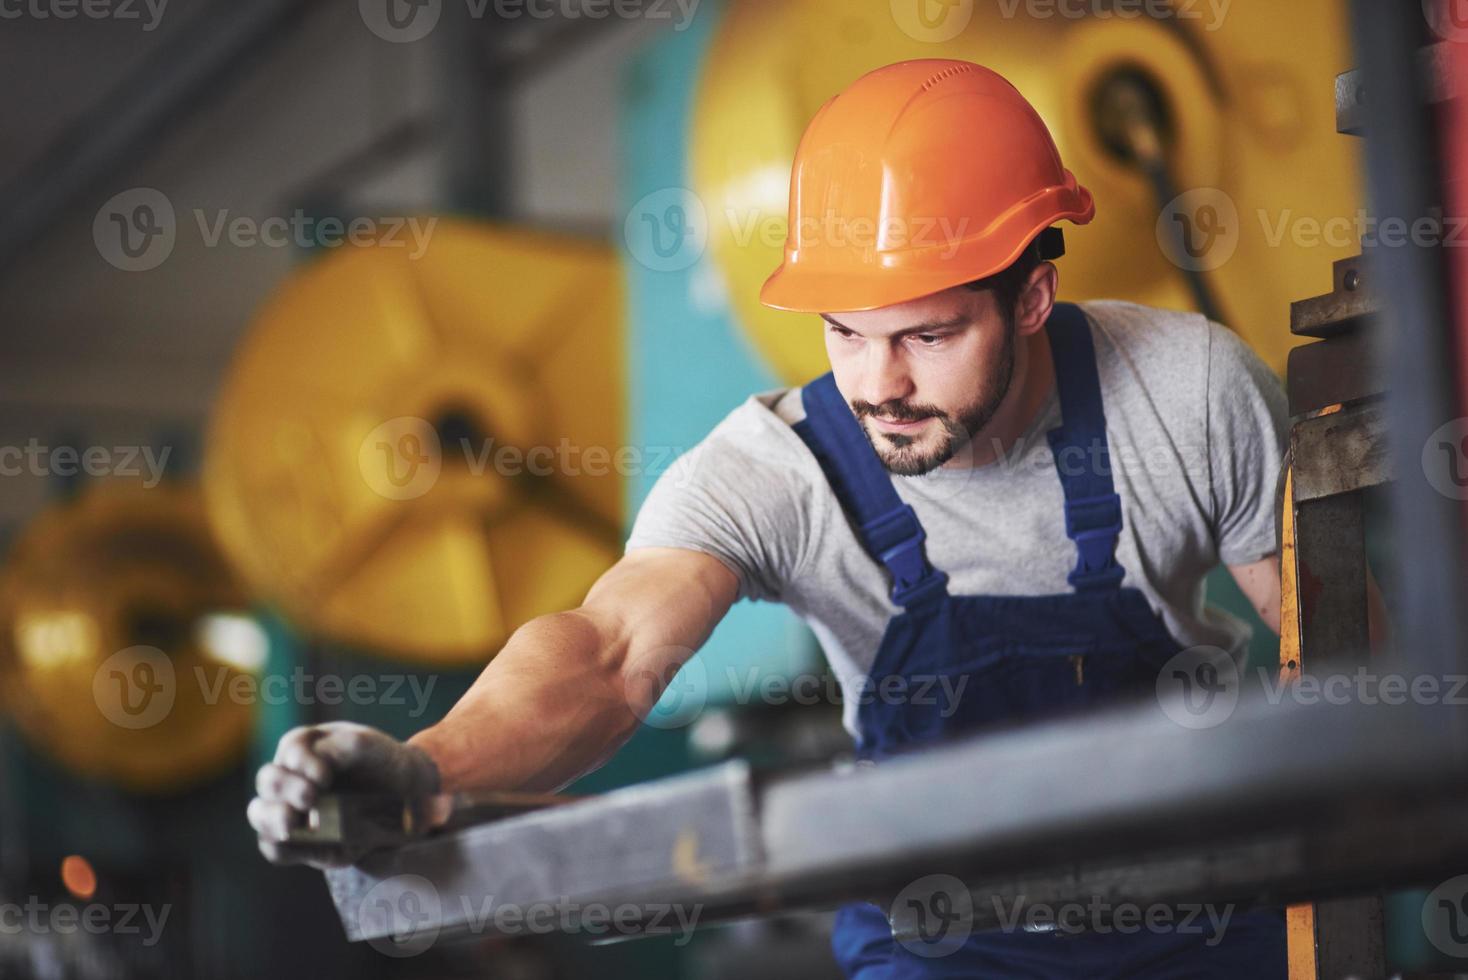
(932, 326)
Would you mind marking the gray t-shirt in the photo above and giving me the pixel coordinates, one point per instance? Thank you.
(1196, 426)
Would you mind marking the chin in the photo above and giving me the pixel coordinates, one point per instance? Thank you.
(912, 460)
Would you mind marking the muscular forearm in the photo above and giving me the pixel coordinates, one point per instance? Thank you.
(551, 706)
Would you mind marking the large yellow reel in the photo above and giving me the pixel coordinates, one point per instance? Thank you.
(1248, 94)
(417, 454)
(105, 658)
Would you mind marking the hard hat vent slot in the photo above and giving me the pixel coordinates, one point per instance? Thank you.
(946, 74)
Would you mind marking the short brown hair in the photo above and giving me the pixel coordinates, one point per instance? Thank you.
(1008, 282)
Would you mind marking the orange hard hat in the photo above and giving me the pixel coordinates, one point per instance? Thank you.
(920, 176)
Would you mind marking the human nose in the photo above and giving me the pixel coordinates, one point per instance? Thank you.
(884, 376)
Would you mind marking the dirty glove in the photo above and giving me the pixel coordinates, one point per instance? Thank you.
(334, 757)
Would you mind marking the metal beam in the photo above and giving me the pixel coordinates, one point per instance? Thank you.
(1341, 452)
(1128, 796)
(1417, 349)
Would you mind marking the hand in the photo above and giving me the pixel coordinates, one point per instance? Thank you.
(339, 756)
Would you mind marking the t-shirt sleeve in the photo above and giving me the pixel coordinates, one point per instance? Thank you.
(745, 507)
(1247, 426)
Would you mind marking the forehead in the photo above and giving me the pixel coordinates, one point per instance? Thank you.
(952, 308)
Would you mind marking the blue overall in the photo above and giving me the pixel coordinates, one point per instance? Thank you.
(1024, 657)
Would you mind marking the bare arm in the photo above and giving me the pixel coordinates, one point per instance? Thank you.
(1259, 581)
(570, 688)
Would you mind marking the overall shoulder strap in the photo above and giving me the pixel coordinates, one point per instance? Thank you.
(1082, 456)
(887, 528)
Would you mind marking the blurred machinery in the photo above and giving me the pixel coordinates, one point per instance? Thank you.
(416, 454)
(1228, 111)
(121, 634)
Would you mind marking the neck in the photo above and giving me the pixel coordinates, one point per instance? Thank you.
(1034, 380)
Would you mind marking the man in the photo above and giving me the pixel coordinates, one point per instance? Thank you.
(1016, 496)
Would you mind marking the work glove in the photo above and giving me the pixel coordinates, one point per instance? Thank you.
(334, 757)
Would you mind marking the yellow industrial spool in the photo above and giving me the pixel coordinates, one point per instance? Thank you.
(1247, 90)
(415, 454)
(110, 659)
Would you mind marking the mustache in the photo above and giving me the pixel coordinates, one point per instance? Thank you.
(897, 411)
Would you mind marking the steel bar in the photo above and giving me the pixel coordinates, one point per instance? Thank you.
(1337, 858)
(1329, 372)
(1349, 304)
(1417, 350)
(1350, 90)
(1340, 453)
(1127, 787)
(657, 838)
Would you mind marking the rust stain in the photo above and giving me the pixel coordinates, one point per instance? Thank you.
(686, 863)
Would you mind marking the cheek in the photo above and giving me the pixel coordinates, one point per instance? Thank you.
(951, 381)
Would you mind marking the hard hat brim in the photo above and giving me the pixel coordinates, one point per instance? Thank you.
(797, 289)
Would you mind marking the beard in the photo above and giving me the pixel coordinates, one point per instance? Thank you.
(915, 455)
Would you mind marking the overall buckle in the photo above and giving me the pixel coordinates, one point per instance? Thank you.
(1094, 524)
(913, 579)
